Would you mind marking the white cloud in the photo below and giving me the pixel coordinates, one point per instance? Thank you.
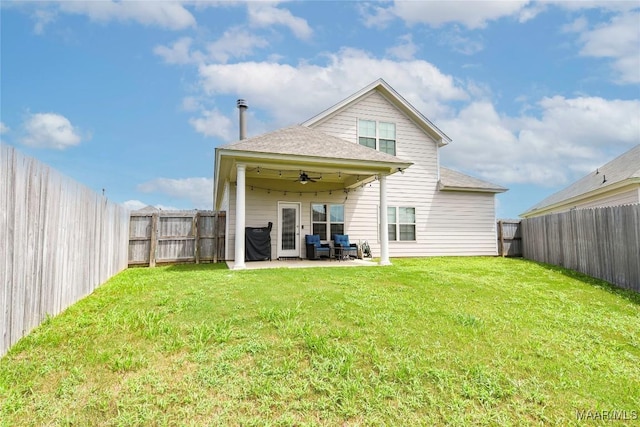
(405, 49)
(50, 130)
(199, 191)
(618, 39)
(374, 16)
(171, 15)
(42, 17)
(266, 14)
(568, 138)
(234, 43)
(471, 14)
(214, 124)
(190, 103)
(461, 44)
(179, 52)
(608, 5)
(3, 128)
(576, 26)
(276, 88)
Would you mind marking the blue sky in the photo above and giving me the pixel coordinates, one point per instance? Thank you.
(132, 97)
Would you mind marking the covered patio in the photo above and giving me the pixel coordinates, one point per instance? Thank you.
(295, 161)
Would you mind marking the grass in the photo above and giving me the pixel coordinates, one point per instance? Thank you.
(437, 341)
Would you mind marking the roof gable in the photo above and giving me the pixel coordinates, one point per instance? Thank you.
(625, 167)
(395, 99)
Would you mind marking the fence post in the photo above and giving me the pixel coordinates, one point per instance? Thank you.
(154, 240)
(501, 237)
(215, 237)
(196, 235)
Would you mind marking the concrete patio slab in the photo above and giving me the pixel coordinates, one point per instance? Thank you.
(303, 263)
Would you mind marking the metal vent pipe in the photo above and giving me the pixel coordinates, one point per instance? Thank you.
(242, 106)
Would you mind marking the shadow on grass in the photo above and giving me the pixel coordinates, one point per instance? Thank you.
(197, 267)
(628, 294)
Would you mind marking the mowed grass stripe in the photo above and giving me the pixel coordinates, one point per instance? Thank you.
(434, 341)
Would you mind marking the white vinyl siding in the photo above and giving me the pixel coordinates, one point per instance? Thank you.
(454, 223)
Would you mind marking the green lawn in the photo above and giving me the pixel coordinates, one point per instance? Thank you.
(434, 341)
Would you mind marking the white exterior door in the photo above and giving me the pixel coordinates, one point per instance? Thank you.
(288, 230)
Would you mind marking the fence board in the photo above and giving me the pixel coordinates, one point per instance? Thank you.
(176, 236)
(600, 242)
(58, 242)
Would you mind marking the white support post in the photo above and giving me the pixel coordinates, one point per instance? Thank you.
(384, 223)
(240, 217)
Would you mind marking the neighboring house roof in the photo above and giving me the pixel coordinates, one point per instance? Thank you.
(623, 170)
(303, 141)
(396, 99)
(147, 208)
(451, 180)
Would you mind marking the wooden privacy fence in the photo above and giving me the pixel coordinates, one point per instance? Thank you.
(58, 242)
(600, 242)
(509, 238)
(176, 236)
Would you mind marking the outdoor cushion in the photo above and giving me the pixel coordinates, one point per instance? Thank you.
(312, 239)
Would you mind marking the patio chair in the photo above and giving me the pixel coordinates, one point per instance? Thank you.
(343, 248)
(316, 249)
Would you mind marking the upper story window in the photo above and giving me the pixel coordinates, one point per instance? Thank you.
(377, 135)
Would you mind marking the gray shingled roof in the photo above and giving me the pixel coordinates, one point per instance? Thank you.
(454, 180)
(303, 141)
(626, 166)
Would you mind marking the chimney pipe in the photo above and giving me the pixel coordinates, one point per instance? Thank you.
(242, 106)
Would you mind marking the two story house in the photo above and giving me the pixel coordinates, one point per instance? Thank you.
(368, 167)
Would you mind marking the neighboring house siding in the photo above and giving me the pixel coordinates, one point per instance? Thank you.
(626, 195)
(621, 197)
(455, 223)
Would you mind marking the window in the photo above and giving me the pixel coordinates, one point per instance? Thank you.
(377, 135)
(327, 220)
(401, 223)
(387, 135)
(367, 133)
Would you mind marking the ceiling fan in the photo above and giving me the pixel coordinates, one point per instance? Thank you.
(304, 178)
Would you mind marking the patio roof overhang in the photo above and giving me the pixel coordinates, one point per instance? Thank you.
(274, 162)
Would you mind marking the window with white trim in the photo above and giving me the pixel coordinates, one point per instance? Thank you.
(380, 136)
(401, 223)
(327, 220)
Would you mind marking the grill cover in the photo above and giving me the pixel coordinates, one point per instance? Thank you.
(257, 243)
